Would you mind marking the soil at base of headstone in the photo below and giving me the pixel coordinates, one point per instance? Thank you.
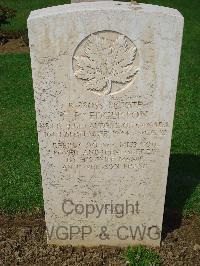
(23, 242)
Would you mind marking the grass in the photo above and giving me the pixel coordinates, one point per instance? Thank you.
(23, 8)
(20, 169)
(141, 256)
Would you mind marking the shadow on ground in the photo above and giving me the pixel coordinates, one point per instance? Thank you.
(183, 178)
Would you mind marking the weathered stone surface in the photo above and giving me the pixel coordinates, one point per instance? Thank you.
(105, 78)
(80, 1)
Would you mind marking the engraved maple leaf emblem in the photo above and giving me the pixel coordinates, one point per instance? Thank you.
(105, 62)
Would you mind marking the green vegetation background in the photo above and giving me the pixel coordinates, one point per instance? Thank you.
(20, 177)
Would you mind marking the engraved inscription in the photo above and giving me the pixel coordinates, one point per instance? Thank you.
(128, 120)
(105, 62)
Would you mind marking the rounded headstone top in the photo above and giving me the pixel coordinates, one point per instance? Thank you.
(101, 6)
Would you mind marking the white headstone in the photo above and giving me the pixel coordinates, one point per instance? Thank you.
(105, 78)
(80, 1)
